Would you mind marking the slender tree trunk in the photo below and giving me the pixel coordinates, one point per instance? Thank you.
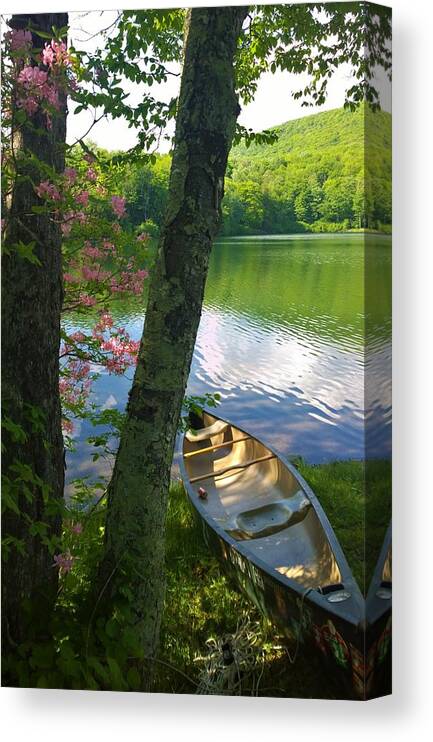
(31, 304)
(137, 502)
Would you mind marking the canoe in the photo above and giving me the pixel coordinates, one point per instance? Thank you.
(263, 521)
(378, 670)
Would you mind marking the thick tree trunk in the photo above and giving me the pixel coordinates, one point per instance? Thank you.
(207, 113)
(31, 304)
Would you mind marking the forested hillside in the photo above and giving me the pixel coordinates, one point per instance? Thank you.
(312, 177)
(318, 176)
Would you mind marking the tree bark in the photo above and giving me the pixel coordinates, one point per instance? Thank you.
(31, 304)
(138, 492)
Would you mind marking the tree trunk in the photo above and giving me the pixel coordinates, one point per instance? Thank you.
(31, 304)
(138, 492)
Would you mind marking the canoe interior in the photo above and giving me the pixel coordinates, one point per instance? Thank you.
(262, 504)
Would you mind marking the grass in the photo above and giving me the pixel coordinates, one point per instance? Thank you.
(359, 518)
(202, 606)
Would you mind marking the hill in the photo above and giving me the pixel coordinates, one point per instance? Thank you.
(326, 172)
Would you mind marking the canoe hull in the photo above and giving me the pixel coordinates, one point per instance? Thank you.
(337, 640)
(356, 653)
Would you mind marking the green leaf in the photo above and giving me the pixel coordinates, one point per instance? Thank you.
(100, 670)
(112, 628)
(117, 681)
(42, 656)
(133, 678)
(26, 252)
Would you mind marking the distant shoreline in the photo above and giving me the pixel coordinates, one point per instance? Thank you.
(304, 234)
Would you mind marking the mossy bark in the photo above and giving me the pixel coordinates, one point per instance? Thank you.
(31, 304)
(137, 500)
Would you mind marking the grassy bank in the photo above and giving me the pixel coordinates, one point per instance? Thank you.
(202, 606)
(86, 651)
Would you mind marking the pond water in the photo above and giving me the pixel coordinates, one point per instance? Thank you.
(285, 340)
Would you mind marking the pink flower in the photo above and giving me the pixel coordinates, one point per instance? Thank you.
(32, 76)
(19, 39)
(55, 53)
(118, 205)
(105, 321)
(90, 251)
(29, 104)
(91, 174)
(64, 561)
(86, 300)
(89, 158)
(83, 198)
(52, 96)
(78, 337)
(143, 237)
(45, 189)
(70, 174)
(67, 426)
(48, 55)
(77, 528)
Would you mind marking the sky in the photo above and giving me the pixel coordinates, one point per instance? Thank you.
(273, 103)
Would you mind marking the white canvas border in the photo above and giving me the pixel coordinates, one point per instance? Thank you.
(68, 715)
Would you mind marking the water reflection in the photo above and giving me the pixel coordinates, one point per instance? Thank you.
(282, 337)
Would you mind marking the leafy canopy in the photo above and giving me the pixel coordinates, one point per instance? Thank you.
(145, 48)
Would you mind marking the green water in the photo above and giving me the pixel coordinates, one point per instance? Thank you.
(285, 338)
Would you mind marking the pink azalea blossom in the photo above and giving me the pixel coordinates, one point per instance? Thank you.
(83, 198)
(48, 55)
(32, 76)
(18, 39)
(45, 189)
(67, 426)
(105, 322)
(70, 278)
(51, 95)
(118, 206)
(70, 174)
(86, 300)
(29, 104)
(90, 251)
(91, 174)
(55, 54)
(64, 561)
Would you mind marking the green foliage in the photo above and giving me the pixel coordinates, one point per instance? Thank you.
(139, 46)
(195, 404)
(316, 39)
(20, 484)
(328, 172)
(356, 497)
(94, 653)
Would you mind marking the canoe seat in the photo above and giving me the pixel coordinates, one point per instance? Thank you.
(269, 519)
(220, 426)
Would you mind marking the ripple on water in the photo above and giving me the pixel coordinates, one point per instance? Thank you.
(282, 338)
